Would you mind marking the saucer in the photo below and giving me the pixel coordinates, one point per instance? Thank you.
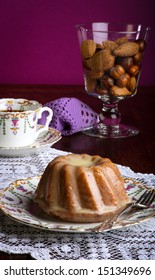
(45, 140)
(16, 201)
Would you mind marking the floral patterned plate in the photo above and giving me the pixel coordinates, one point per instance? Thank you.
(16, 201)
(45, 140)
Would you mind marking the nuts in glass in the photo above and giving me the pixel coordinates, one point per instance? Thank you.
(112, 68)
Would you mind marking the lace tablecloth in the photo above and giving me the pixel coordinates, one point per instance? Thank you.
(135, 242)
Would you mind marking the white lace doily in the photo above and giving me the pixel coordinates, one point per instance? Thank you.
(136, 242)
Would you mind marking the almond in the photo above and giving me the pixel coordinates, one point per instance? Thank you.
(121, 40)
(111, 45)
(117, 91)
(126, 49)
(101, 61)
(96, 74)
(88, 48)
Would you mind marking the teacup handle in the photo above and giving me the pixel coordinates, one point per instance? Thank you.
(48, 119)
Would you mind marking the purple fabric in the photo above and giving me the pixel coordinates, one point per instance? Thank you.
(70, 115)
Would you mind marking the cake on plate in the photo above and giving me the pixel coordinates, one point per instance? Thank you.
(81, 188)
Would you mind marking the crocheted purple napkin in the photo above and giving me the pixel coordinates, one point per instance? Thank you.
(70, 115)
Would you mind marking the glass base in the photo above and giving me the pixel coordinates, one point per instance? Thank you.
(120, 131)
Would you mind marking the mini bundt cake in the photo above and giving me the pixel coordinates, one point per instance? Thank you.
(81, 188)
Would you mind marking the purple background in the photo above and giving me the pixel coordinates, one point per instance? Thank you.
(38, 41)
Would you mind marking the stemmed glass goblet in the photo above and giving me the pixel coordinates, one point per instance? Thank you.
(112, 55)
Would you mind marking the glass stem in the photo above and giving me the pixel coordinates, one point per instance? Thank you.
(110, 116)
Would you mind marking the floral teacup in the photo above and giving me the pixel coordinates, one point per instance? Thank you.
(18, 121)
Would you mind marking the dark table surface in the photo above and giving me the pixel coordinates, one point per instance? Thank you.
(137, 152)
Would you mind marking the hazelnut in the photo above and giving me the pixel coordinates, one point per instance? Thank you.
(123, 80)
(107, 81)
(134, 70)
(142, 44)
(101, 90)
(132, 84)
(116, 71)
(137, 58)
(125, 62)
